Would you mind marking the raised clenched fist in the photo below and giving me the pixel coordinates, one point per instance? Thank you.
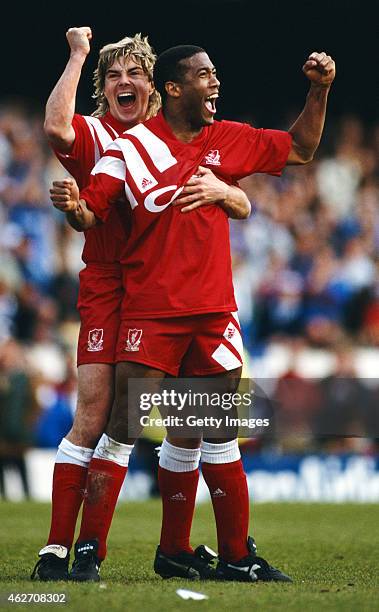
(320, 69)
(78, 39)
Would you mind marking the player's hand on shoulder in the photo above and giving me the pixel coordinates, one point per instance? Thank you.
(65, 195)
(78, 39)
(320, 69)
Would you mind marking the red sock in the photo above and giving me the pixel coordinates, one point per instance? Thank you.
(69, 481)
(104, 482)
(230, 498)
(178, 492)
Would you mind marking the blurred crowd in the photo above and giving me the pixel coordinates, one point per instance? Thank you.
(39, 265)
(306, 269)
(306, 264)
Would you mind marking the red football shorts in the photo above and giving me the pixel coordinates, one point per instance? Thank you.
(196, 345)
(99, 305)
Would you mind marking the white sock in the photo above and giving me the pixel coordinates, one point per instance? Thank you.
(71, 453)
(177, 459)
(111, 450)
(227, 452)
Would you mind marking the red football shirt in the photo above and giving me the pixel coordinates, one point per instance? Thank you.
(104, 243)
(178, 264)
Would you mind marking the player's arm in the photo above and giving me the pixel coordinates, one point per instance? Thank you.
(60, 107)
(65, 197)
(307, 129)
(205, 188)
(94, 203)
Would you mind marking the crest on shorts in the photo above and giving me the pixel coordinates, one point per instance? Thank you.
(213, 158)
(134, 339)
(95, 340)
(229, 332)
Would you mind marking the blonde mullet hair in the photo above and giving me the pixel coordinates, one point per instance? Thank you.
(139, 49)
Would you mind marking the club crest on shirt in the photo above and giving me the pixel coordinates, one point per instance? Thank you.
(134, 339)
(213, 158)
(95, 340)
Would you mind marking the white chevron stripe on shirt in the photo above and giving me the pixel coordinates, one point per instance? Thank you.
(102, 134)
(96, 150)
(135, 165)
(130, 197)
(112, 166)
(159, 152)
(113, 130)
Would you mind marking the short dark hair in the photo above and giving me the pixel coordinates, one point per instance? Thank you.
(168, 66)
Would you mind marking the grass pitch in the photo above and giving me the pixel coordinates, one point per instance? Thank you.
(331, 551)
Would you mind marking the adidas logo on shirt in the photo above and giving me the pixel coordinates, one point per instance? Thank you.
(178, 497)
(145, 183)
(218, 493)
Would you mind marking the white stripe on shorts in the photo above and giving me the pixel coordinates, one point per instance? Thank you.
(232, 335)
(226, 358)
(235, 315)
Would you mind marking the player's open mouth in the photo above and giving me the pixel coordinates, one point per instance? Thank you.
(210, 103)
(126, 99)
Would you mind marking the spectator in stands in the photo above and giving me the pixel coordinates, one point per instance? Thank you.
(17, 410)
(306, 262)
(343, 401)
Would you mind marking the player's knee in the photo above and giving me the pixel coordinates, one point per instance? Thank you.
(88, 437)
(89, 424)
(183, 442)
(96, 400)
(95, 388)
(119, 429)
